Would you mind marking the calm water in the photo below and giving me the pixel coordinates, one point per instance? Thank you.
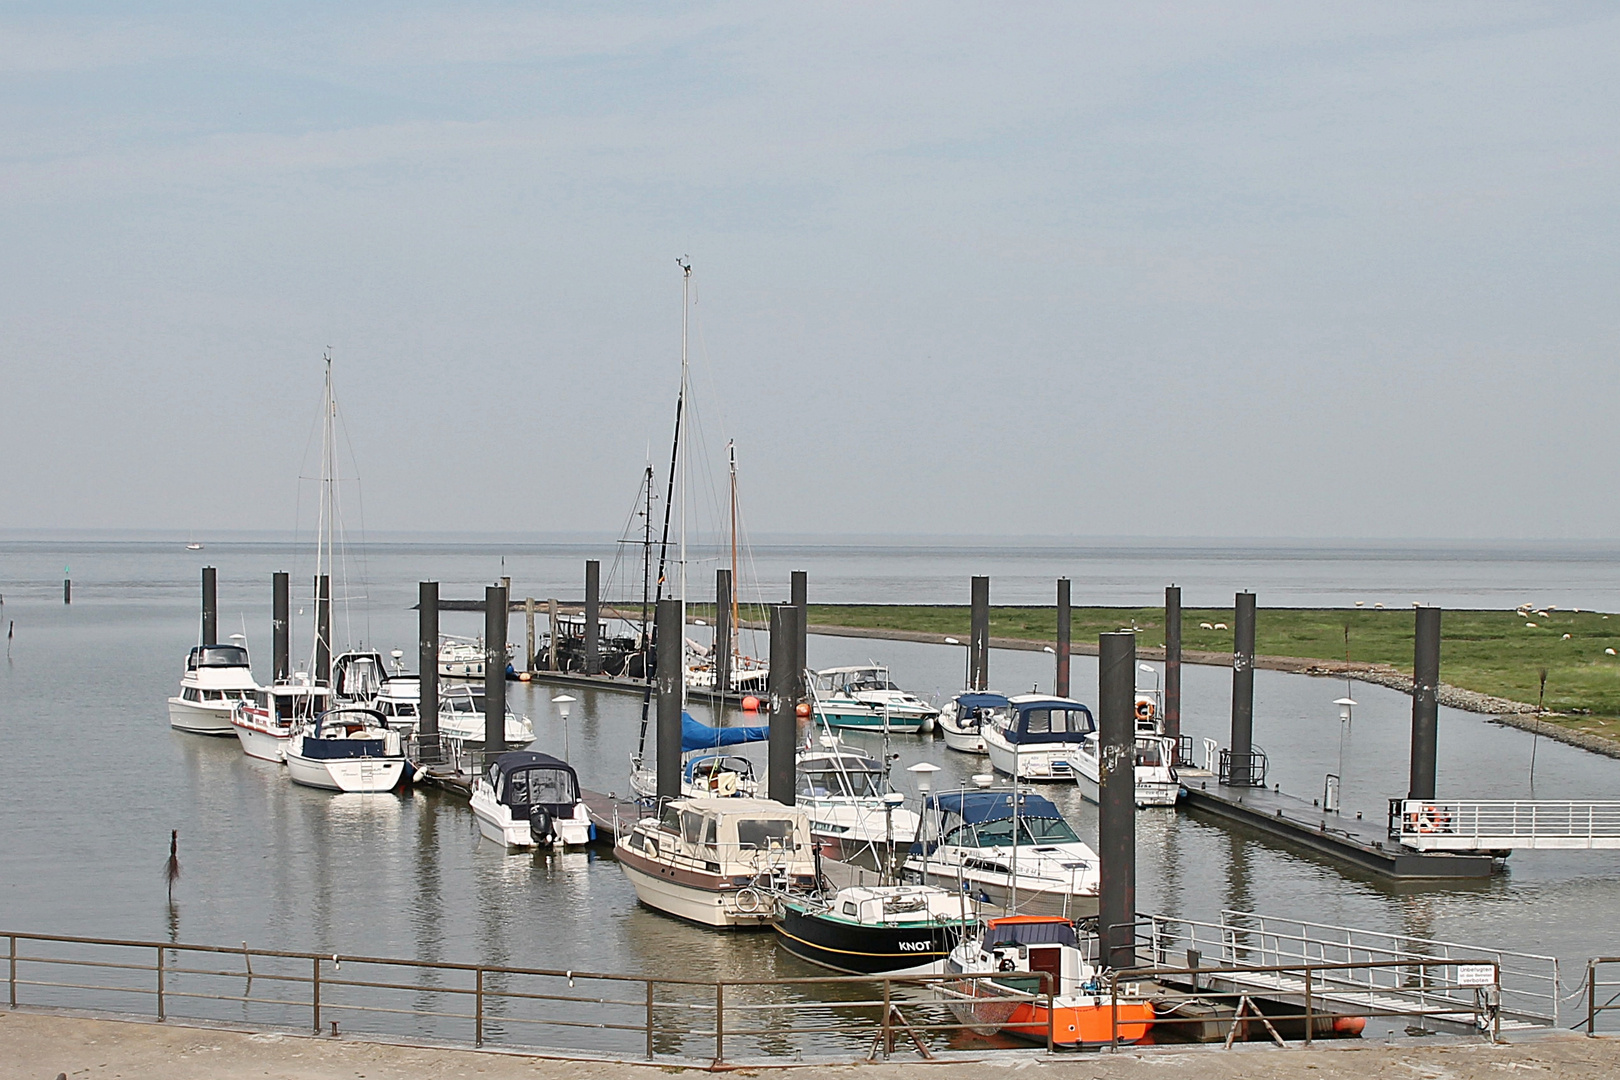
(94, 779)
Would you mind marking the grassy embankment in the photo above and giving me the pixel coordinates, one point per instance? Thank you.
(1491, 652)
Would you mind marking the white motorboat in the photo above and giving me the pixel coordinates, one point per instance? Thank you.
(349, 748)
(968, 844)
(1037, 737)
(854, 815)
(748, 675)
(461, 658)
(864, 697)
(963, 719)
(461, 717)
(531, 800)
(266, 724)
(399, 699)
(719, 862)
(1156, 780)
(217, 679)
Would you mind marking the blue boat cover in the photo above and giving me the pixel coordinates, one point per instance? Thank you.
(975, 807)
(699, 736)
(982, 701)
(1021, 732)
(1007, 932)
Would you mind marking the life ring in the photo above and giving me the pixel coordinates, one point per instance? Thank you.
(1144, 710)
(1433, 819)
(748, 901)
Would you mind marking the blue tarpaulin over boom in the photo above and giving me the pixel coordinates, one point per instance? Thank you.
(697, 736)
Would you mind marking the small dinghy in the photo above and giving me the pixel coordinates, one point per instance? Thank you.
(526, 799)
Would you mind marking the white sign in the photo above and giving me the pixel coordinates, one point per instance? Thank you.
(1476, 975)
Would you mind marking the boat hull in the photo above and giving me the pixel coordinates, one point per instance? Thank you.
(197, 718)
(664, 892)
(1148, 792)
(918, 949)
(358, 774)
(261, 743)
(969, 742)
(1080, 1025)
(866, 720)
(504, 829)
(1042, 761)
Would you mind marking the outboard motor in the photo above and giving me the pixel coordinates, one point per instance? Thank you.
(540, 828)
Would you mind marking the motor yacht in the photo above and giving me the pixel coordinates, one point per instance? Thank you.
(349, 748)
(217, 679)
(962, 720)
(526, 799)
(265, 725)
(877, 929)
(1037, 737)
(854, 814)
(968, 844)
(1156, 780)
(461, 717)
(399, 699)
(863, 696)
(1037, 977)
(719, 862)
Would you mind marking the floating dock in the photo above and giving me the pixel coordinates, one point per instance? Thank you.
(1305, 827)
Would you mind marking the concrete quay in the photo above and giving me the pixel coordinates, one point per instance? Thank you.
(40, 1045)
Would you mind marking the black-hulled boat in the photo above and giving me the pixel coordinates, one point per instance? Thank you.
(877, 930)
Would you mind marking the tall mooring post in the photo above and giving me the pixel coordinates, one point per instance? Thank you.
(495, 615)
(280, 627)
(1172, 668)
(210, 606)
(979, 638)
(667, 640)
(1425, 703)
(427, 659)
(723, 631)
(1060, 682)
(323, 629)
(1242, 745)
(67, 585)
(781, 771)
(593, 614)
(799, 595)
(1116, 800)
(528, 637)
(551, 638)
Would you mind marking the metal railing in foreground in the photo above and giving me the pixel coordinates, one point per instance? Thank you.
(1392, 964)
(1601, 996)
(589, 1013)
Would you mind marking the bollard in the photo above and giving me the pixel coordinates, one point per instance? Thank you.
(210, 606)
(593, 613)
(1172, 670)
(667, 641)
(979, 638)
(1116, 798)
(280, 628)
(722, 635)
(1242, 746)
(495, 616)
(781, 771)
(1060, 683)
(1425, 702)
(427, 658)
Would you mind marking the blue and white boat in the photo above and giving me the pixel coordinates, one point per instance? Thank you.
(864, 697)
(704, 772)
(963, 719)
(1038, 737)
(346, 749)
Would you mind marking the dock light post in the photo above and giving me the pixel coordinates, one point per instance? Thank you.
(563, 701)
(427, 659)
(1116, 798)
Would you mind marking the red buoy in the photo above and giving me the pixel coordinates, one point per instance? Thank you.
(802, 709)
(750, 704)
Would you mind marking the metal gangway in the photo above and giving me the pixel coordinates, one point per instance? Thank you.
(1504, 824)
(1398, 971)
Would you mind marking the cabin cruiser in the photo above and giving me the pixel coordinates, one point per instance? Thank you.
(877, 929)
(1074, 1002)
(719, 862)
(461, 658)
(962, 720)
(703, 770)
(531, 800)
(266, 724)
(1156, 780)
(356, 676)
(461, 717)
(1037, 737)
(399, 699)
(864, 697)
(217, 679)
(349, 748)
(968, 844)
(853, 812)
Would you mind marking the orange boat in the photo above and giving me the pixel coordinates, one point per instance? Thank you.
(1015, 951)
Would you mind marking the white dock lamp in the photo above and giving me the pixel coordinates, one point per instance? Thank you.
(1345, 705)
(1153, 671)
(563, 701)
(924, 772)
(398, 655)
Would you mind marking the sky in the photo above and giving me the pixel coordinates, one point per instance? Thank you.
(1179, 270)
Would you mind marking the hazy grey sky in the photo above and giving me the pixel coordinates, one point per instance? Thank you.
(1258, 270)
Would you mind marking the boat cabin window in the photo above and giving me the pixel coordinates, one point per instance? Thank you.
(862, 783)
(1031, 830)
(541, 787)
(871, 680)
(217, 656)
(1057, 721)
(691, 827)
(761, 833)
(1148, 752)
(671, 820)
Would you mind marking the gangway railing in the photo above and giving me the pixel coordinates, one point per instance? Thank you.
(1504, 824)
(1421, 971)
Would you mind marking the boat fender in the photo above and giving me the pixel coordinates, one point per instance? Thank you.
(748, 901)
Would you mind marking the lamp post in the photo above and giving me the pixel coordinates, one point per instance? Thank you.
(563, 701)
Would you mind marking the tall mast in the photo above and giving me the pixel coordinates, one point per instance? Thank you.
(731, 627)
(646, 547)
(686, 293)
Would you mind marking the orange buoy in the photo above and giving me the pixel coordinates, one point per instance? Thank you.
(750, 703)
(802, 709)
(1349, 1025)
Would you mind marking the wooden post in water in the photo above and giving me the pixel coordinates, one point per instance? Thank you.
(723, 633)
(1116, 798)
(67, 585)
(323, 630)
(979, 639)
(280, 628)
(593, 613)
(1425, 703)
(528, 619)
(495, 615)
(1060, 684)
(1242, 746)
(551, 643)
(427, 659)
(799, 596)
(667, 639)
(784, 732)
(210, 606)
(1172, 669)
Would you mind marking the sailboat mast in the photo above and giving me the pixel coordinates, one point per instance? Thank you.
(646, 547)
(731, 627)
(686, 308)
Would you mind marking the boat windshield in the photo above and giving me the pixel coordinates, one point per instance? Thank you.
(219, 656)
(872, 682)
(766, 833)
(1149, 752)
(1055, 721)
(998, 833)
(541, 787)
(858, 783)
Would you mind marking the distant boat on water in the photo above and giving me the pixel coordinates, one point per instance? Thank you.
(193, 546)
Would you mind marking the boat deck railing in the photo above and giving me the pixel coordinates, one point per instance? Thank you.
(1504, 824)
